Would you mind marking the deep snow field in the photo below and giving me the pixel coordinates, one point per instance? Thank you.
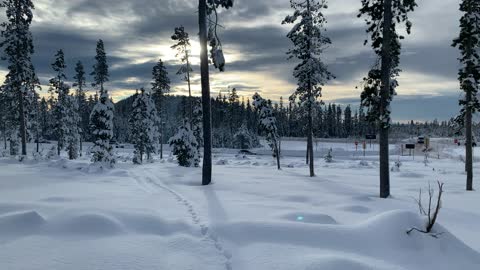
(67, 215)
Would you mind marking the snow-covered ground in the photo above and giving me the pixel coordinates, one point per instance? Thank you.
(67, 215)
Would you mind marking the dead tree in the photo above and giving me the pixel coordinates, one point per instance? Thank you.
(432, 212)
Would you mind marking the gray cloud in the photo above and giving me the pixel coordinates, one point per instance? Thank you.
(252, 30)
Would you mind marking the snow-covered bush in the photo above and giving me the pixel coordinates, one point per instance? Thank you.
(363, 163)
(329, 157)
(244, 139)
(185, 147)
(396, 166)
(52, 152)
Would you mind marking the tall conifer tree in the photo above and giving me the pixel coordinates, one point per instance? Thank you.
(468, 43)
(309, 40)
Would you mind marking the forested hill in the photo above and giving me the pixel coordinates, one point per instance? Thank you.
(229, 112)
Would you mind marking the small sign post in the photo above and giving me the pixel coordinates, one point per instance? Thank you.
(411, 147)
(371, 137)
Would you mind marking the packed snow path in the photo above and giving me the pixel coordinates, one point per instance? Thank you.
(153, 184)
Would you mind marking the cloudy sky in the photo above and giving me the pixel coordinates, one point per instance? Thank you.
(137, 33)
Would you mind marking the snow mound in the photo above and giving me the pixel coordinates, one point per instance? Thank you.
(150, 224)
(339, 262)
(11, 207)
(355, 209)
(222, 162)
(56, 199)
(309, 218)
(380, 238)
(20, 222)
(87, 224)
(411, 175)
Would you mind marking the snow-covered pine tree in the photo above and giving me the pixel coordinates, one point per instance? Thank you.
(34, 125)
(58, 87)
(183, 52)
(101, 124)
(244, 138)
(71, 120)
(11, 118)
(143, 127)
(17, 44)
(152, 126)
(209, 8)
(469, 76)
(309, 43)
(101, 117)
(160, 87)
(382, 18)
(137, 128)
(267, 123)
(185, 146)
(80, 83)
(3, 117)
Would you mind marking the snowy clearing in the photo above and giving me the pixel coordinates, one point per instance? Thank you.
(61, 214)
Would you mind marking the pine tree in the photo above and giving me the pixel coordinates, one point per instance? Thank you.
(244, 138)
(185, 147)
(268, 123)
(18, 47)
(382, 18)
(3, 116)
(183, 51)
(58, 87)
(309, 42)
(80, 83)
(34, 118)
(348, 122)
(468, 43)
(143, 127)
(66, 110)
(100, 69)
(160, 87)
(101, 118)
(71, 120)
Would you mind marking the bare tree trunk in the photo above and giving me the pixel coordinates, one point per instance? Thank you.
(310, 142)
(307, 153)
(38, 139)
(4, 136)
(468, 126)
(277, 153)
(189, 90)
(207, 114)
(161, 144)
(468, 142)
(384, 100)
(310, 119)
(23, 126)
(81, 145)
